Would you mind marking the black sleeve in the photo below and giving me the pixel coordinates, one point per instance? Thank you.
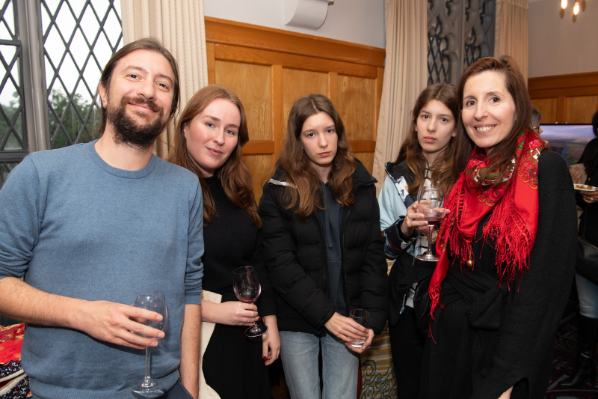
(265, 303)
(373, 273)
(535, 307)
(286, 274)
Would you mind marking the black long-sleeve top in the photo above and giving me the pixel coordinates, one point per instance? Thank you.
(231, 240)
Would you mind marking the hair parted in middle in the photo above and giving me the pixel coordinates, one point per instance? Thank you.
(296, 165)
(443, 170)
(233, 174)
(502, 154)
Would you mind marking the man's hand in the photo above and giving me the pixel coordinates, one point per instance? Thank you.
(117, 323)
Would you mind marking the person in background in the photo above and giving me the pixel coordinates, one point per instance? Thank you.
(91, 224)
(210, 135)
(587, 291)
(427, 155)
(503, 279)
(536, 118)
(324, 251)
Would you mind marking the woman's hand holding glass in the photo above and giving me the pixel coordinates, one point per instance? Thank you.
(415, 220)
(229, 313)
(348, 330)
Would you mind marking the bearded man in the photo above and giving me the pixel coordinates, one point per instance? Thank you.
(89, 225)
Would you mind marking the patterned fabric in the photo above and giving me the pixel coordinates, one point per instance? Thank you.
(377, 370)
(11, 340)
(14, 384)
(514, 220)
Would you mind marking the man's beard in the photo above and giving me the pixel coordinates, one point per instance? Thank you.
(127, 131)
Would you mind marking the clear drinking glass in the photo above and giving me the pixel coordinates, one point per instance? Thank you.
(429, 199)
(361, 317)
(154, 301)
(247, 289)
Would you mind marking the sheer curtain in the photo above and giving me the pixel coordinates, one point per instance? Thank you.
(179, 25)
(405, 76)
(511, 35)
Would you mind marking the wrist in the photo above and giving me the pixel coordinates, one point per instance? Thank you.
(405, 233)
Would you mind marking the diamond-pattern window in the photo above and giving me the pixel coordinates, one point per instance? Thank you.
(79, 38)
(5, 168)
(438, 61)
(13, 136)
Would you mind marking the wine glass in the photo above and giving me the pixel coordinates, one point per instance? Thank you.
(247, 289)
(154, 301)
(362, 317)
(428, 200)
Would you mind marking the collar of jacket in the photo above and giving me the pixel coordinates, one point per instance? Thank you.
(361, 177)
(397, 169)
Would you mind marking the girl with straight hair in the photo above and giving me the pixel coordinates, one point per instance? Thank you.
(324, 252)
(426, 156)
(506, 248)
(209, 138)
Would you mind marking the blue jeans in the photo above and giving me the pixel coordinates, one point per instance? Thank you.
(588, 297)
(299, 353)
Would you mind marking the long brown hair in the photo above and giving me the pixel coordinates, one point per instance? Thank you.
(297, 167)
(411, 151)
(233, 174)
(503, 152)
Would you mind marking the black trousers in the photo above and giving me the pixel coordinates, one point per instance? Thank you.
(407, 345)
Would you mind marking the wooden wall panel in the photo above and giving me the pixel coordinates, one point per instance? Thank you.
(548, 108)
(565, 98)
(297, 83)
(580, 109)
(269, 69)
(259, 165)
(356, 106)
(251, 83)
(366, 158)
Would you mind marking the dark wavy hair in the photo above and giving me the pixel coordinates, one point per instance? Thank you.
(233, 174)
(150, 44)
(297, 168)
(503, 152)
(443, 170)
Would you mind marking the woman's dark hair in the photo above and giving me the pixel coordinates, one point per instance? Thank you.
(503, 152)
(150, 44)
(297, 167)
(233, 174)
(443, 170)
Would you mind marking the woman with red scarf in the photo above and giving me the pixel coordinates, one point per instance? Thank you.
(506, 247)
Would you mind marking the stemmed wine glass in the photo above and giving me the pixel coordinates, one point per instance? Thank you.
(428, 200)
(247, 289)
(154, 301)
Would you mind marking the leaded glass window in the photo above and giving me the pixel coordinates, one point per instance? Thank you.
(79, 38)
(460, 32)
(13, 135)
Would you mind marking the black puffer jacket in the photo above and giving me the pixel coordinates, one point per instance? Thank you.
(295, 254)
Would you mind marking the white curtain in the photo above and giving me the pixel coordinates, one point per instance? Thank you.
(180, 26)
(512, 31)
(405, 76)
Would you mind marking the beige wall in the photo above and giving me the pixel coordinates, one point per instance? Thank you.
(354, 21)
(560, 44)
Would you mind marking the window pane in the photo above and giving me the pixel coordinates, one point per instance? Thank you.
(5, 168)
(80, 36)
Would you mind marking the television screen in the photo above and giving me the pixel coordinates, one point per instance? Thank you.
(568, 140)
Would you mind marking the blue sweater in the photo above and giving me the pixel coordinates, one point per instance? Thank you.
(77, 227)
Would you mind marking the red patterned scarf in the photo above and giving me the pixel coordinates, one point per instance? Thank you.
(514, 220)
